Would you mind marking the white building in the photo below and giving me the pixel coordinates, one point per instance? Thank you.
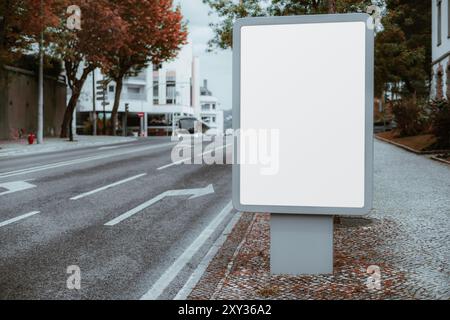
(210, 109)
(441, 49)
(158, 93)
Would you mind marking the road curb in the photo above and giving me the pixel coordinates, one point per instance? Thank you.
(435, 158)
(25, 151)
(409, 148)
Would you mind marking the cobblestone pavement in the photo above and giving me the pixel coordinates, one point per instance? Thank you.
(407, 236)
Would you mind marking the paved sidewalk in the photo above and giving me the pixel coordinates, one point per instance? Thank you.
(21, 147)
(407, 235)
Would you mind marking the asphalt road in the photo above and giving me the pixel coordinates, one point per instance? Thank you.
(48, 222)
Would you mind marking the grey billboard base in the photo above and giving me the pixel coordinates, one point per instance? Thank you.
(301, 244)
(302, 237)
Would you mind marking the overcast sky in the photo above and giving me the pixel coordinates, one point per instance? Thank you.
(216, 66)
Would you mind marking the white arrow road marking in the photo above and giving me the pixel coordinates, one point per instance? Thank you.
(15, 186)
(194, 193)
(108, 186)
(5, 223)
(167, 277)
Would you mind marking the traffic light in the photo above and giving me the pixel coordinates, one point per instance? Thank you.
(102, 93)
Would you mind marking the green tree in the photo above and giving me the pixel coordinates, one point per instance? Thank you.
(403, 48)
(229, 10)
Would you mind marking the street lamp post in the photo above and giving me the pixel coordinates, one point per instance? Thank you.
(40, 113)
(94, 112)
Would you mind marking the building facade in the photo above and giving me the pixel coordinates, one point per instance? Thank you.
(158, 94)
(440, 87)
(210, 109)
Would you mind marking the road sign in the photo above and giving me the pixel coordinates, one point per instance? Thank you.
(141, 114)
(306, 82)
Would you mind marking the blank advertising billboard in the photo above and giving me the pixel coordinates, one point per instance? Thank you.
(303, 113)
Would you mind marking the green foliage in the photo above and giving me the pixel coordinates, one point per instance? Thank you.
(229, 11)
(440, 119)
(410, 116)
(403, 47)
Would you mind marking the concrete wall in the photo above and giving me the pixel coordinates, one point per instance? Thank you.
(18, 103)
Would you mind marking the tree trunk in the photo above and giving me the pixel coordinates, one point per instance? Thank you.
(331, 6)
(119, 86)
(76, 91)
(68, 115)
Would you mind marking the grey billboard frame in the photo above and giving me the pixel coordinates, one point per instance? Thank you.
(369, 146)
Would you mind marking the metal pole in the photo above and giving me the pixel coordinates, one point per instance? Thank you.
(40, 113)
(104, 113)
(94, 116)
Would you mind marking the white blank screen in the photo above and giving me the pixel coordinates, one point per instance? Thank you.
(308, 81)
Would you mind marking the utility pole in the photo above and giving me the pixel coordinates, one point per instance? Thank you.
(125, 120)
(94, 115)
(40, 113)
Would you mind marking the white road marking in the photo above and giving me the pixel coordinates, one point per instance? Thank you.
(201, 268)
(82, 160)
(15, 186)
(167, 277)
(107, 187)
(7, 222)
(188, 159)
(194, 193)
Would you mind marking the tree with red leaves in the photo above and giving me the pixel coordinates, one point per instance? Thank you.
(21, 22)
(155, 33)
(82, 51)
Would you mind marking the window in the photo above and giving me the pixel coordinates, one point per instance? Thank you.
(214, 119)
(111, 88)
(155, 87)
(171, 87)
(439, 22)
(134, 90)
(214, 106)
